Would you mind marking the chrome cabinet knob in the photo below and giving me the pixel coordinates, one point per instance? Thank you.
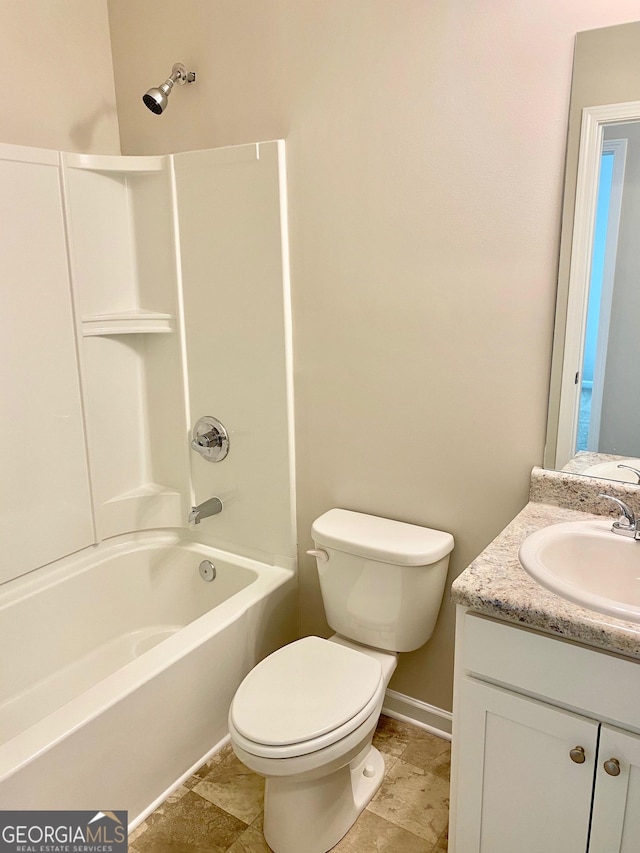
(612, 767)
(577, 755)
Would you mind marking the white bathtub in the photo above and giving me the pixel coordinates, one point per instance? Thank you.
(117, 668)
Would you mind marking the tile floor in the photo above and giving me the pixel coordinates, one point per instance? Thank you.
(219, 809)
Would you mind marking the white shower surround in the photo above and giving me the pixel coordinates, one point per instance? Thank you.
(158, 293)
(133, 695)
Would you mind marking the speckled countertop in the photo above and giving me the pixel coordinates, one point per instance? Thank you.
(496, 584)
(585, 459)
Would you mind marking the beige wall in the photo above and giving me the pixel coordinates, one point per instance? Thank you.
(58, 87)
(425, 150)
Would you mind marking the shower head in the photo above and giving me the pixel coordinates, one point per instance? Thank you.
(157, 99)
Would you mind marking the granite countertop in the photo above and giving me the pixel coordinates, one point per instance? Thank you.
(496, 584)
(585, 459)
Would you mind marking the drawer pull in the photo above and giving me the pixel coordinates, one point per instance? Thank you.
(612, 767)
(577, 755)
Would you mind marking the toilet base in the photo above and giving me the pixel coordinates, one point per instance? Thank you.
(312, 815)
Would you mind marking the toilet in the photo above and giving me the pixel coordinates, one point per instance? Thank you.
(304, 717)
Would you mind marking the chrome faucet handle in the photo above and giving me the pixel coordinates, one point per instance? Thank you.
(210, 439)
(631, 468)
(627, 514)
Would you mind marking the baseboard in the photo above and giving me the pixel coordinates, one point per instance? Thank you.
(420, 714)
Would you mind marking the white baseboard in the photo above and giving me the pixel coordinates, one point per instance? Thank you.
(396, 705)
(420, 714)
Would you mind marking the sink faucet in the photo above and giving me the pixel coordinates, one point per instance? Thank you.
(630, 468)
(211, 507)
(626, 524)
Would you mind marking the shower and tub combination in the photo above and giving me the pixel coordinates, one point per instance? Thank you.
(122, 669)
(156, 564)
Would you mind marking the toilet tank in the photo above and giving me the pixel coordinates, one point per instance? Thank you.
(382, 581)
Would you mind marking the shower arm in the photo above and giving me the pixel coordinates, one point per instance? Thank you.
(179, 74)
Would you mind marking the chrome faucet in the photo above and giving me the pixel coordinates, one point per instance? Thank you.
(211, 507)
(627, 524)
(630, 468)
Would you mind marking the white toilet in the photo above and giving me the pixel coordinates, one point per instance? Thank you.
(304, 717)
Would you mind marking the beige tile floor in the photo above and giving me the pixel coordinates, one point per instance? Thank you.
(219, 809)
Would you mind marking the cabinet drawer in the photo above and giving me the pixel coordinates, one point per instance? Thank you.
(553, 669)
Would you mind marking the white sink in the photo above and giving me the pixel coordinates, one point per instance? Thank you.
(585, 562)
(610, 470)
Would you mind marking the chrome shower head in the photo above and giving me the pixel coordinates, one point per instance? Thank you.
(157, 99)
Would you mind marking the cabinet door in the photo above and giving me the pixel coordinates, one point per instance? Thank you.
(519, 789)
(616, 804)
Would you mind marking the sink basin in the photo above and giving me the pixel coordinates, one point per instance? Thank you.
(585, 562)
(610, 470)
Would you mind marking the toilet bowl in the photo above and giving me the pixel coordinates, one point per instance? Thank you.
(304, 718)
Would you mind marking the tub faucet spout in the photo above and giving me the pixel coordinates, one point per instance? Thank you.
(211, 507)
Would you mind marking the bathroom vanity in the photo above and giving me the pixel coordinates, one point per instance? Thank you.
(546, 752)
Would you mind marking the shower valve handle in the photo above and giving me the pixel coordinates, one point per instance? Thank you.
(210, 439)
(207, 439)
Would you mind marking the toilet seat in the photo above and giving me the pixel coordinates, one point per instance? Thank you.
(304, 697)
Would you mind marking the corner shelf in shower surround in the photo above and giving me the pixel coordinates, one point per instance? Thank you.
(115, 163)
(128, 323)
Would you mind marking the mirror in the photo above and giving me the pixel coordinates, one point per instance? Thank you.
(594, 407)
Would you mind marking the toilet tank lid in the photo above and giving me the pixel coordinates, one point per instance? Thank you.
(380, 539)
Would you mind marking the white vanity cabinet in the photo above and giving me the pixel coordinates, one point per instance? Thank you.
(546, 744)
(616, 805)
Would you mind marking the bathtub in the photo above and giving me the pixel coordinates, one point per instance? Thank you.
(117, 668)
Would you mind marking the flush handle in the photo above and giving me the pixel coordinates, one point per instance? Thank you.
(577, 755)
(319, 554)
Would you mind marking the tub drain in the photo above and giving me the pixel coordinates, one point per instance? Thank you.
(207, 570)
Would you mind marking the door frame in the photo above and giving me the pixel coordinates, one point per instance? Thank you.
(594, 120)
